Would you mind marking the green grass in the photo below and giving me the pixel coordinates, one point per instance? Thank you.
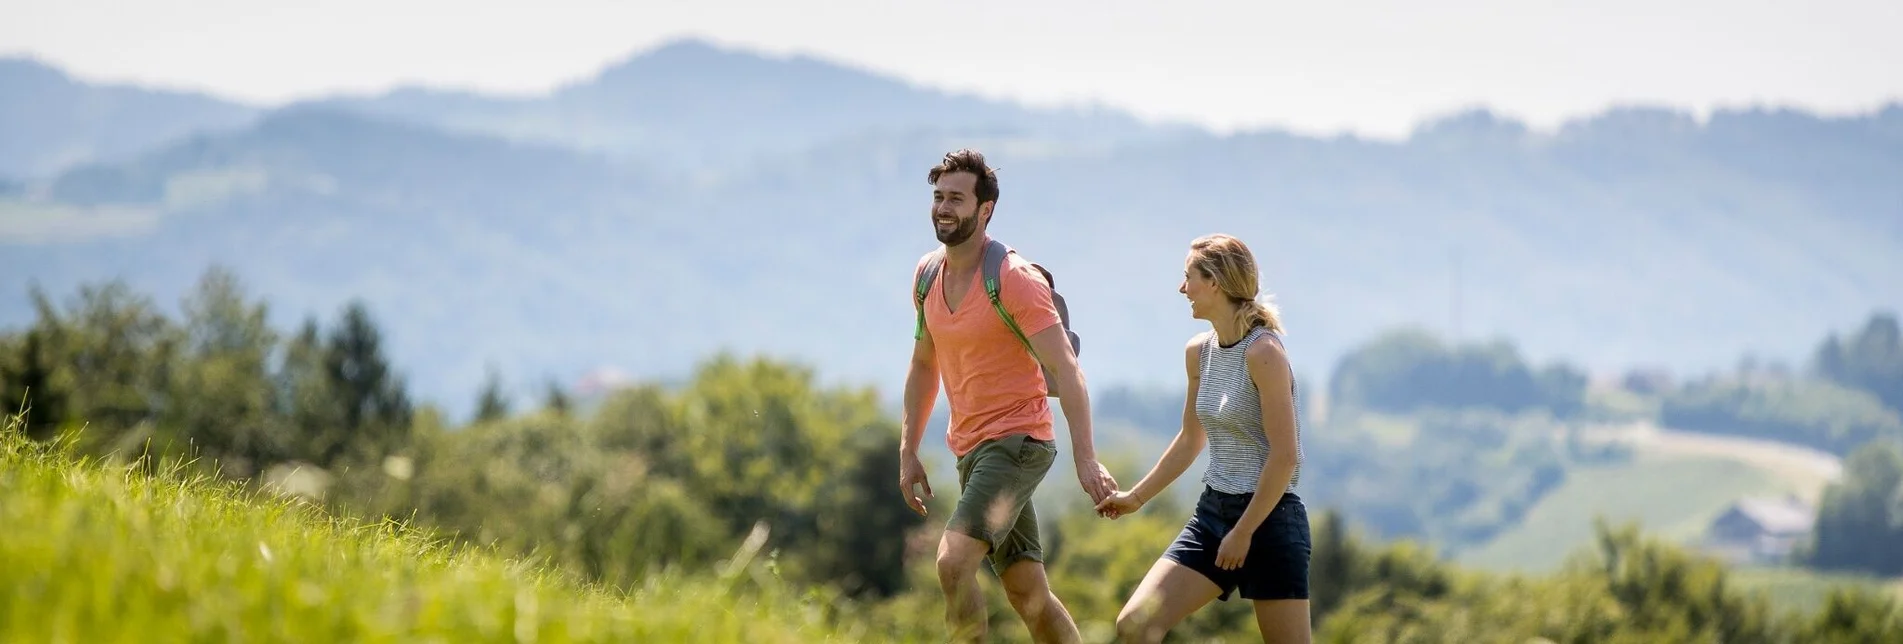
(1804, 591)
(1673, 497)
(96, 552)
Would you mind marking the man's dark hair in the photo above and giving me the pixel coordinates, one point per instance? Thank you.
(972, 161)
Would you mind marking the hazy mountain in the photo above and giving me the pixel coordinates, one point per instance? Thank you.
(50, 121)
(691, 104)
(459, 238)
(1636, 237)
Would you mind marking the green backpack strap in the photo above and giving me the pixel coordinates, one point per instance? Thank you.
(926, 276)
(995, 252)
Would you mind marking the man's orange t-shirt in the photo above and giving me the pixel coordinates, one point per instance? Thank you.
(994, 386)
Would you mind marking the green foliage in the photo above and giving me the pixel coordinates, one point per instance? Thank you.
(27, 374)
(1625, 589)
(219, 388)
(117, 555)
(1812, 413)
(1855, 614)
(491, 404)
(1410, 370)
(373, 409)
(221, 399)
(1871, 360)
(657, 479)
(555, 399)
(745, 503)
(1860, 522)
(1807, 591)
(110, 351)
(1456, 479)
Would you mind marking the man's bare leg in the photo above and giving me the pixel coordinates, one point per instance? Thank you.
(1043, 614)
(959, 557)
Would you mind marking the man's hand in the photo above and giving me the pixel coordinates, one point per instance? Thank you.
(1096, 480)
(912, 473)
(1118, 504)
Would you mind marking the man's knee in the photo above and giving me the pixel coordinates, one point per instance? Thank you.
(1025, 585)
(959, 556)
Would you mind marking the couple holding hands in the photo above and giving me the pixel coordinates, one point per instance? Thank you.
(1240, 404)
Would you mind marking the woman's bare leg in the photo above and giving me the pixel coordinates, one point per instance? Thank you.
(1169, 593)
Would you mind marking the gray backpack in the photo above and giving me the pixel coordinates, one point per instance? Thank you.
(995, 252)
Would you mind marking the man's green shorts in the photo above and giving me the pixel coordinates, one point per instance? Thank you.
(996, 479)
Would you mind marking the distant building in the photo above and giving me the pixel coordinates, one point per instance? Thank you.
(1760, 530)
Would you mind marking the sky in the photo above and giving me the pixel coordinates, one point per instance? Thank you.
(1373, 69)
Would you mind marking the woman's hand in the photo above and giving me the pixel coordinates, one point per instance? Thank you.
(1234, 550)
(1118, 504)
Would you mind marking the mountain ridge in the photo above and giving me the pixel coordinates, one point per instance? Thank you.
(1639, 237)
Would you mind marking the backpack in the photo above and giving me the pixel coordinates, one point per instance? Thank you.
(993, 262)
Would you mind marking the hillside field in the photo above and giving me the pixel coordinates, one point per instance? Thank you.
(117, 556)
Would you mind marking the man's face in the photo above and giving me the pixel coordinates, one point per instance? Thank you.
(955, 209)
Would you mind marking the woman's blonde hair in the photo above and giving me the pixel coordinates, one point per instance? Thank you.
(1226, 261)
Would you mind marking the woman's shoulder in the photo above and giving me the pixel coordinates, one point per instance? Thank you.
(1265, 350)
(1193, 350)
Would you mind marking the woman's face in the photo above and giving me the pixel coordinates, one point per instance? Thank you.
(1204, 297)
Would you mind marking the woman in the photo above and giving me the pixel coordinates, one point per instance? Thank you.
(1242, 402)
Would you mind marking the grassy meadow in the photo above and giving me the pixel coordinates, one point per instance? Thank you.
(1671, 497)
(101, 552)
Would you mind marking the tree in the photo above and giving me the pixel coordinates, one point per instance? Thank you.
(110, 352)
(28, 379)
(1871, 360)
(860, 528)
(491, 404)
(304, 395)
(1408, 370)
(345, 398)
(221, 398)
(555, 399)
(1860, 521)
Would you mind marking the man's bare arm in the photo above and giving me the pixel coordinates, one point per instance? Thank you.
(1052, 346)
(1053, 350)
(921, 394)
(921, 390)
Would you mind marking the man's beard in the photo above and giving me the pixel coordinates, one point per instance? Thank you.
(959, 233)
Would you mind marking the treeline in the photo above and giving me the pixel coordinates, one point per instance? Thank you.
(1860, 522)
(655, 477)
(1850, 393)
(1411, 370)
(219, 384)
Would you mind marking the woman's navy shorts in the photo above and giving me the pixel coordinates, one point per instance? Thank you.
(1276, 566)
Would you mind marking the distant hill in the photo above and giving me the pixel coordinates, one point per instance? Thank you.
(1636, 237)
(50, 121)
(691, 104)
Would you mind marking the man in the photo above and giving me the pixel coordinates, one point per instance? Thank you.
(1001, 426)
